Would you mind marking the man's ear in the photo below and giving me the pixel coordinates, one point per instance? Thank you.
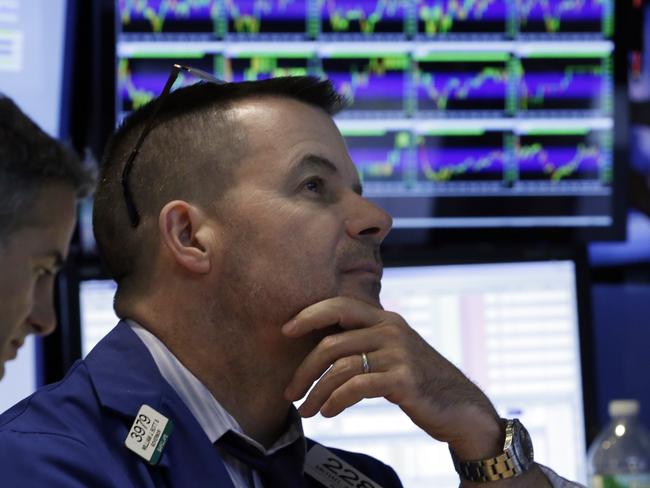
(184, 232)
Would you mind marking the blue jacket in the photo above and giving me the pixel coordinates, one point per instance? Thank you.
(71, 434)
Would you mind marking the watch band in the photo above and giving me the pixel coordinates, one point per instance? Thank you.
(512, 462)
(493, 469)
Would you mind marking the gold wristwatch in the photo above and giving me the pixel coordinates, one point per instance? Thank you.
(516, 459)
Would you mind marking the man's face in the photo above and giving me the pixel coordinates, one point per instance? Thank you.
(28, 263)
(296, 228)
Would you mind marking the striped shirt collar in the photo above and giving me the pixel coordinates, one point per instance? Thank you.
(208, 412)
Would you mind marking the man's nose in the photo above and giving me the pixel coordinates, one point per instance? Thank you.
(367, 220)
(42, 318)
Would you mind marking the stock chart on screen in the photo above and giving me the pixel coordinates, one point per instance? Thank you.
(462, 114)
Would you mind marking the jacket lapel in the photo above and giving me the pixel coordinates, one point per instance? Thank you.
(125, 377)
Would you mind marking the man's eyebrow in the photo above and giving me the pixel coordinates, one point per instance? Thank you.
(316, 162)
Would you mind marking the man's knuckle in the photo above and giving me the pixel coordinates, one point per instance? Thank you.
(398, 356)
(392, 330)
(342, 365)
(329, 342)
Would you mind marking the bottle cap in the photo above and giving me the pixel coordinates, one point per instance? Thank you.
(619, 408)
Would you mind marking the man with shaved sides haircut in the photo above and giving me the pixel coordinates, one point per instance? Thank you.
(248, 270)
(40, 181)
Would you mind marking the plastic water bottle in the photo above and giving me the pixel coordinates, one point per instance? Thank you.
(620, 455)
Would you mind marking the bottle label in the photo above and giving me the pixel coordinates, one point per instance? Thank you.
(621, 481)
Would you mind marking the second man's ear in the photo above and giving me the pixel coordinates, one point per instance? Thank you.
(185, 233)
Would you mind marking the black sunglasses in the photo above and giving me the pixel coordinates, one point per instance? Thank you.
(134, 215)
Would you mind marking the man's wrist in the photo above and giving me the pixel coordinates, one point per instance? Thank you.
(515, 459)
(485, 441)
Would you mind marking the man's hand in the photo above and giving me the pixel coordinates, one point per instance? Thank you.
(403, 368)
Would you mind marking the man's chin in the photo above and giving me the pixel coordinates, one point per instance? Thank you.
(367, 292)
(370, 300)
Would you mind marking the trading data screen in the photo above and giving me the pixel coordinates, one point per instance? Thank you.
(512, 328)
(32, 58)
(472, 114)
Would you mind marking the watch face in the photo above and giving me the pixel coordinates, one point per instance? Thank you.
(522, 444)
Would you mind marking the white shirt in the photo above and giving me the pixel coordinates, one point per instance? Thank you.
(211, 416)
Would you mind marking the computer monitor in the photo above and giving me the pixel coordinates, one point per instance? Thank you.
(512, 327)
(32, 59)
(96, 313)
(21, 375)
(464, 115)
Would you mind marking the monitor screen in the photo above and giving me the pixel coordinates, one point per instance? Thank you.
(511, 327)
(32, 58)
(96, 312)
(20, 379)
(463, 115)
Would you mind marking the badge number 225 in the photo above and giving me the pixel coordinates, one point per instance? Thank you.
(351, 477)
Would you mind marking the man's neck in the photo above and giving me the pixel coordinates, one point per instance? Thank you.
(246, 383)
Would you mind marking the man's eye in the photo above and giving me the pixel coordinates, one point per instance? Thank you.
(314, 185)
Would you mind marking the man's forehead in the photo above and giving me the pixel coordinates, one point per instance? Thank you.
(305, 134)
(40, 241)
(47, 226)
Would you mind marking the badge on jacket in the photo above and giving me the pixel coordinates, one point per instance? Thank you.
(149, 434)
(330, 470)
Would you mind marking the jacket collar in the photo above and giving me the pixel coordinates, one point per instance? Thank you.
(125, 377)
(124, 374)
